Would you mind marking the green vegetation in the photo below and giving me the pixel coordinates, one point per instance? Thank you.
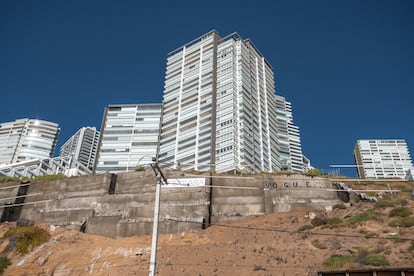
(4, 263)
(375, 260)
(318, 244)
(339, 206)
(313, 172)
(364, 216)
(334, 221)
(391, 203)
(384, 203)
(402, 222)
(400, 212)
(27, 237)
(306, 227)
(362, 257)
(4, 179)
(49, 177)
(338, 261)
(140, 169)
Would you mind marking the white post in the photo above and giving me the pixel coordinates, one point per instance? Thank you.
(153, 258)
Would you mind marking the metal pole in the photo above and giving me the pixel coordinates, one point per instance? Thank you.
(153, 258)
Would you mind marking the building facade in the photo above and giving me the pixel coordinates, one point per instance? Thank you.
(27, 139)
(219, 107)
(382, 158)
(288, 138)
(129, 137)
(82, 146)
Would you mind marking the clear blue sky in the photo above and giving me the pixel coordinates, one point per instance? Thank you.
(346, 66)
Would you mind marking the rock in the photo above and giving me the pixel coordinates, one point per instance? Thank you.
(44, 259)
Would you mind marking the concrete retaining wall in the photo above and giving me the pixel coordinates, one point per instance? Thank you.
(123, 205)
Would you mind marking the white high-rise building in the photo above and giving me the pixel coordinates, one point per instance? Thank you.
(27, 139)
(382, 158)
(129, 137)
(219, 107)
(82, 146)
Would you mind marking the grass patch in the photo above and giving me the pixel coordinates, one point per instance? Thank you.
(27, 237)
(339, 206)
(364, 216)
(400, 212)
(319, 245)
(140, 169)
(402, 222)
(375, 260)
(4, 179)
(338, 261)
(4, 263)
(385, 203)
(334, 221)
(306, 227)
(49, 177)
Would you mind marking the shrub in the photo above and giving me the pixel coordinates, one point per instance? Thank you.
(400, 212)
(313, 172)
(364, 216)
(339, 206)
(337, 261)
(140, 169)
(27, 237)
(384, 203)
(318, 244)
(4, 263)
(319, 220)
(334, 221)
(375, 260)
(306, 227)
(402, 222)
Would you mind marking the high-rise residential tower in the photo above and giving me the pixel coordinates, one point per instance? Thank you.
(129, 137)
(382, 158)
(82, 146)
(219, 108)
(26, 139)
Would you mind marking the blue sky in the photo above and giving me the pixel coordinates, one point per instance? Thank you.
(346, 66)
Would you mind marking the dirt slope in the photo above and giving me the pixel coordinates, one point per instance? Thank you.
(262, 245)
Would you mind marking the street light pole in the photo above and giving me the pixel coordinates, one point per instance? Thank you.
(154, 244)
(160, 178)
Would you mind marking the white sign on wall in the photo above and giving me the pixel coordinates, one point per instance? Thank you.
(185, 182)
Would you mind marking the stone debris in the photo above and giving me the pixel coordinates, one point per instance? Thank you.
(44, 259)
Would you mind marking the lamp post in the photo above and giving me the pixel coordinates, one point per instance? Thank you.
(154, 244)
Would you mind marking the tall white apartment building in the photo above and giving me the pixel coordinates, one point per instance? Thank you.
(26, 139)
(382, 158)
(82, 146)
(129, 137)
(219, 108)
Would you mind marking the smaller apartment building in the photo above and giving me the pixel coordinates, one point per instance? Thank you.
(129, 137)
(382, 159)
(27, 139)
